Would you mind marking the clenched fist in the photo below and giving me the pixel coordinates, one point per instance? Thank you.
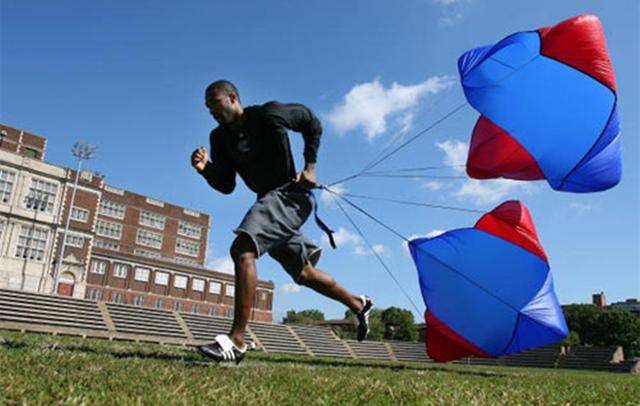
(199, 159)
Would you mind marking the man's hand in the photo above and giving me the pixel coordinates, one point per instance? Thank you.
(307, 178)
(199, 159)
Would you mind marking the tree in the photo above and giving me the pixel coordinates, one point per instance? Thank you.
(303, 317)
(390, 324)
(399, 324)
(603, 327)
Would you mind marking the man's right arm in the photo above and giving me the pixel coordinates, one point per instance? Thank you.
(219, 173)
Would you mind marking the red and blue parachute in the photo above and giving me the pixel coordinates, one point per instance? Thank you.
(488, 289)
(548, 106)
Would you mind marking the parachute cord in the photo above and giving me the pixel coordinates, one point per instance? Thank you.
(412, 176)
(361, 210)
(417, 169)
(412, 203)
(384, 265)
(398, 148)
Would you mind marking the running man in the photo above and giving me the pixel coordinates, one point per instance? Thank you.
(253, 142)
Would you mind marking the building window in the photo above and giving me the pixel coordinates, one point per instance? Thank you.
(120, 270)
(195, 309)
(228, 312)
(116, 297)
(149, 239)
(178, 306)
(212, 311)
(109, 229)
(41, 195)
(7, 179)
(112, 209)
(197, 285)
(152, 219)
(187, 261)
(107, 245)
(189, 229)
(138, 301)
(215, 287)
(98, 267)
(79, 214)
(147, 254)
(187, 247)
(180, 282)
(230, 290)
(94, 294)
(74, 241)
(162, 278)
(2, 225)
(142, 275)
(31, 243)
(30, 152)
(158, 303)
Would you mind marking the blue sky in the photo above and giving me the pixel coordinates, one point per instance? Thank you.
(129, 77)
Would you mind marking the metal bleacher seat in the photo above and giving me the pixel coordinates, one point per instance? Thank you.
(31, 310)
(409, 351)
(142, 321)
(205, 328)
(276, 338)
(321, 341)
(376, 350)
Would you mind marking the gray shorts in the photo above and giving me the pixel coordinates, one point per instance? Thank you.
(273, 223)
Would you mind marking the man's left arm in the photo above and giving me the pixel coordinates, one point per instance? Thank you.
(300, 118)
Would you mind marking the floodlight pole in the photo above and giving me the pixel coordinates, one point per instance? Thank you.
(82, 151)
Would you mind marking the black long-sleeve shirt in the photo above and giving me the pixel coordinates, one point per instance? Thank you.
(259, 149)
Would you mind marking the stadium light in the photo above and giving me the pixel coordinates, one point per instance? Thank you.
(82, 151)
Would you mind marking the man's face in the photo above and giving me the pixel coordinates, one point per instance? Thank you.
(221, 106)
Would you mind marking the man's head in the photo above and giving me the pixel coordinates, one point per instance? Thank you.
(223, 101)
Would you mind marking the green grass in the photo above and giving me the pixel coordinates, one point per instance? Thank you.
(52, 369)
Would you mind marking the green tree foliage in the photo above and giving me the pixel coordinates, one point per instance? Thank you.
(308, 316)
(399, 324)
(604, 327)
(388, 324)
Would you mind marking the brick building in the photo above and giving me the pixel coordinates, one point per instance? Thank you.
(121, 246)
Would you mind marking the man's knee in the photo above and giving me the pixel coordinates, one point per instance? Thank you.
(242, 249)
(308, 276)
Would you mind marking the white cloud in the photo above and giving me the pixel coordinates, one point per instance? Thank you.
(222, 264)
(451, 11)
(455, 153)
(345, 238)
(364, 250)
(580, 208)
(492, 190)
(290, 288)
(432, 185)
(482, 192)
(369, 105)
(327, 198)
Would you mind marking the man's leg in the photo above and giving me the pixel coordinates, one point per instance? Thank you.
(326, 285)
(243, 253)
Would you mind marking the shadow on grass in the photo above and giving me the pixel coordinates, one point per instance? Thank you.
(192, 358)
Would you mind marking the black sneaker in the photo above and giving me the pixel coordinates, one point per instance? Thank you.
(362, 318)
(222, 349)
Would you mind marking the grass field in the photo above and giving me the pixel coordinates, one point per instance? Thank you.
(47, 369)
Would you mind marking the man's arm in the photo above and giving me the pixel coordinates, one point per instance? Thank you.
(299, 118)
(218, 173)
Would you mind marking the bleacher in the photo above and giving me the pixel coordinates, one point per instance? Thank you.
(370, 350)
(27, 310)
(141, 321)
(24, 311)
(321, 341)
(277, 338)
